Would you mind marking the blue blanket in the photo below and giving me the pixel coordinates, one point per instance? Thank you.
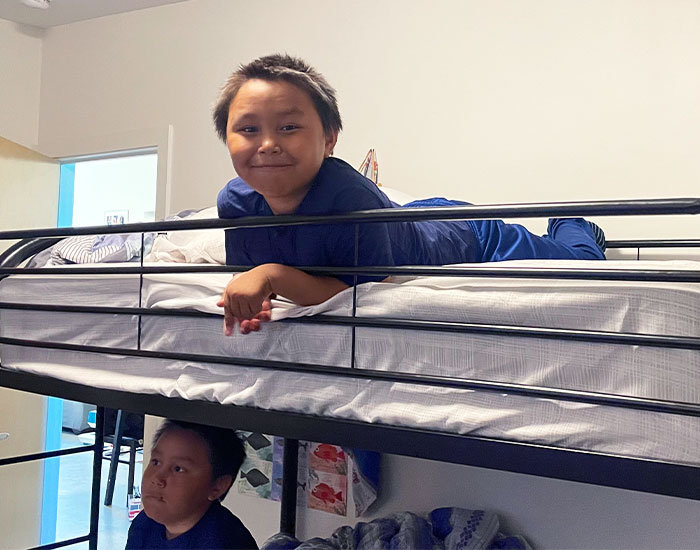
(442, 529)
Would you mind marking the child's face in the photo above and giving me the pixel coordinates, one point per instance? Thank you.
(276, 141)
(177, 483)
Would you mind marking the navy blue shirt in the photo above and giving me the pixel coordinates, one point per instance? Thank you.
(218, 528)
(337, 189)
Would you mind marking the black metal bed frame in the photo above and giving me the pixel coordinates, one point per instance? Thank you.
(654, 476)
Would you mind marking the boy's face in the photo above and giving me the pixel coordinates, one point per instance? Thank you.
(276, 141)
(177, 483)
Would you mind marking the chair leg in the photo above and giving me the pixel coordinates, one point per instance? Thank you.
(132, 467)
(114, 462)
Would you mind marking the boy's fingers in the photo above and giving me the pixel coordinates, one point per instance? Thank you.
(244, 314)
(249, 313)
(264, 316)
(248, 326)
(228, 326)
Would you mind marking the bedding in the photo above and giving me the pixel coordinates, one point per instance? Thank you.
(643, 307)
(192, 246)
(90, 249)
(442, 529)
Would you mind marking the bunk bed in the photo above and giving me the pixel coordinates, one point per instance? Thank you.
(429, 364)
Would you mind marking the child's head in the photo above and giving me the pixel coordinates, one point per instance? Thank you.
(191, 466)
(283, 68)
(279, 119)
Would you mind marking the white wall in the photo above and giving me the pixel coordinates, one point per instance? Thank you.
(20, 67)
(28, 198)
(501, 101)
(22, 414)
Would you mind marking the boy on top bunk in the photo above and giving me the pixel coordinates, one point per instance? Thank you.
(192, 467)
(280, 121)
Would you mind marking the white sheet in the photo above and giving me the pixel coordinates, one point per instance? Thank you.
(659, 308)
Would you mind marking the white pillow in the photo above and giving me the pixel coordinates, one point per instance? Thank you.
(196, 246)
(399, 197)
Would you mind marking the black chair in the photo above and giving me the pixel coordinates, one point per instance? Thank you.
(126, 429)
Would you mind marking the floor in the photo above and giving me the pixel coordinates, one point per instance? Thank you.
(73, 516)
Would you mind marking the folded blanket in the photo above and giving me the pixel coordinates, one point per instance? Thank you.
(442, 529)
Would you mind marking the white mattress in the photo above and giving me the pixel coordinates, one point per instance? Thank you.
(653, 308)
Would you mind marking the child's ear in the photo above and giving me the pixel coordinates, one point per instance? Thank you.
(219, 487)
(331, 139)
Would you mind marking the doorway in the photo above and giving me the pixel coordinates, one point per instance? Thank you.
(113, 188)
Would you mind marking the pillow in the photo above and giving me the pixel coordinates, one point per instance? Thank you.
(194, 246)
(399, 197)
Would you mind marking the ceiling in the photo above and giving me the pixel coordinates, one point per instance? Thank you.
(62, 12)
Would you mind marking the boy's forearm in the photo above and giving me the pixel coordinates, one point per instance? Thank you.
(300, 287)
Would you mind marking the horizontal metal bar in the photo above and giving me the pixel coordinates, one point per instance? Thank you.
(654, 243)
(650, 207)
(623, 338)
(668, 275)
(62, 543)
(26, 248)
(596, 398)
(108, 310)
(45, 454)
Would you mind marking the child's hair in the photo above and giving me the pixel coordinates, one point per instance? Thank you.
(226, 451)
(289, 69)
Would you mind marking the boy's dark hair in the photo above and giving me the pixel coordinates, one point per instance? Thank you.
(226, 451)
(289, 69)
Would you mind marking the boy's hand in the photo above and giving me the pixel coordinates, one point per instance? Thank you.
(246, 301)
(251, 325)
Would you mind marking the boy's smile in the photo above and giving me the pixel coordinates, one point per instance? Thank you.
(276, 141)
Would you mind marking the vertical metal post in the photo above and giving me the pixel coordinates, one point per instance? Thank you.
(354, 297)
(288, 511)
(96, 478)
(138, 331)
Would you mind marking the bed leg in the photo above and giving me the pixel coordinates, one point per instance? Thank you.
(96, 479)
(288, 508)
